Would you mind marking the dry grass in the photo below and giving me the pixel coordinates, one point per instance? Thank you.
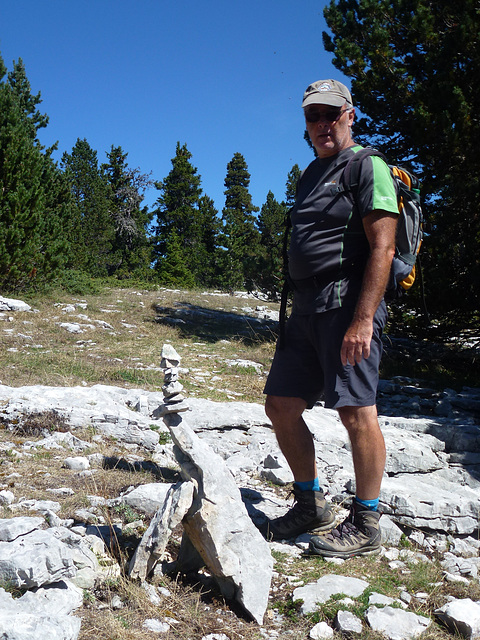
(36, 350)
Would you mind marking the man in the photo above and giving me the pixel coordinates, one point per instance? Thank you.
(341, 249)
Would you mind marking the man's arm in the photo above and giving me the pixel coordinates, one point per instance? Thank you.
(380, 231)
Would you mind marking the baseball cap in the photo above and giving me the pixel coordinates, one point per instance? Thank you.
(329, 92)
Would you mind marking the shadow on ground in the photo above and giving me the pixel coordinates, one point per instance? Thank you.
(212, 325)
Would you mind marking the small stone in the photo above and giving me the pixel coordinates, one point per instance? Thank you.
(156, 625)
(348, 624)
(6, 497)
(78, 463)
(321, 631)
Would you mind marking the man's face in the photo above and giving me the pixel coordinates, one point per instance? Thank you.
(331, 129)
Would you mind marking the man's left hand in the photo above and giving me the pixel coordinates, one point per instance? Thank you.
(356, 342)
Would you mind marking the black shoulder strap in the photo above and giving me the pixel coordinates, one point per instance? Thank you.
(351, 173)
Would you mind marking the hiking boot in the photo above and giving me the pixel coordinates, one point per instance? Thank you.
(309, 513)
(359, 534)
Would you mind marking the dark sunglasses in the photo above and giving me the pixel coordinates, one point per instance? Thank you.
(327, 116)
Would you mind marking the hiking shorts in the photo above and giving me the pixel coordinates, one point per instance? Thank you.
(309, 365)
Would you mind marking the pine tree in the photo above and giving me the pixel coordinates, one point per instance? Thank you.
(208, 265)
(27, 103)
(178, 213)
(271, 224)
(240, 235)
(131, 250)
(93, 231)
(291, 185)
(33, 199)
(412, 65)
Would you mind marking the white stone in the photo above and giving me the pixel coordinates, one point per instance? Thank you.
(78, 463)
(396, 624)
(147, 498)
(321, 631)
(12, 528)
(154, 541)
(219, 526)
(462, 616)
(6, 497)
(10, 304)
(348, 624)
(325, 587)
(156, 626)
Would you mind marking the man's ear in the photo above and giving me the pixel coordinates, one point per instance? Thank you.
(351, 117)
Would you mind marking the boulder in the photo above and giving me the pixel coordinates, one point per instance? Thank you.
(35, 559)
(461, 616)
(218, 524)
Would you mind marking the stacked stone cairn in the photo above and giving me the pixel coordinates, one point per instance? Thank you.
(217, 531)
(173, 398)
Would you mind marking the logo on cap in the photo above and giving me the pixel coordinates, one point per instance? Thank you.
(325, 86)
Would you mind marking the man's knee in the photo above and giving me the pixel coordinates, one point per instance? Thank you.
(358, 418)
(284, 409)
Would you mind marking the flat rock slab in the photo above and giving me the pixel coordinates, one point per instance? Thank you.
(396, 624)
(177, 502)
(325, 587)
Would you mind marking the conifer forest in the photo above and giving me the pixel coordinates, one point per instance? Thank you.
(412, 68)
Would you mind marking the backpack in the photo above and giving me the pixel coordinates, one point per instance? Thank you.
(409, 234)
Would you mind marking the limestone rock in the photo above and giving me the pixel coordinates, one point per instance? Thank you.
(35, 559)
(462, 616)
(12, 528)
(325, 588)
(30, 619)
(396, 624)
(154, 541)
(218, 524)
(348, 624)
(321, 631)
(147, 498)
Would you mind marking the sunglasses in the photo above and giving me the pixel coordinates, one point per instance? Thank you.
(327, 116)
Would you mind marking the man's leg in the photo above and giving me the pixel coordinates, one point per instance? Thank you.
(310, 512)
(368, 449)
(360, 533)
(293, 436)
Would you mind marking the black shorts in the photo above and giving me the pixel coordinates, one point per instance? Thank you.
(309, 366)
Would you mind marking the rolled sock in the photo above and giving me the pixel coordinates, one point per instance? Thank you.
(370, 504)
(311, 485)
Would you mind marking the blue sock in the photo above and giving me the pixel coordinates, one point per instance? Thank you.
(370, 504)
(311, 485)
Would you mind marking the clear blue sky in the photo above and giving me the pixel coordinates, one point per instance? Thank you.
(220, 76)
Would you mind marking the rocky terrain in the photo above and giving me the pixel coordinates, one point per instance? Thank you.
(131, 513)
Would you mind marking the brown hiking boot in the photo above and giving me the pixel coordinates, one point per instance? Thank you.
(358, 535)
(309, 513)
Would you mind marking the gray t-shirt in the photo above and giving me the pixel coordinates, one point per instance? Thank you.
(328, 240)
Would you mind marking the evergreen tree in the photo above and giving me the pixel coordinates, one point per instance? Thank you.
(291, 185)
(208, 263)
(240, 235)
(178, 213)
(271, 224)
(131, 250)
(93, 231)
(412, 63)
(27, 103)
(173, 270)
(33, 199)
